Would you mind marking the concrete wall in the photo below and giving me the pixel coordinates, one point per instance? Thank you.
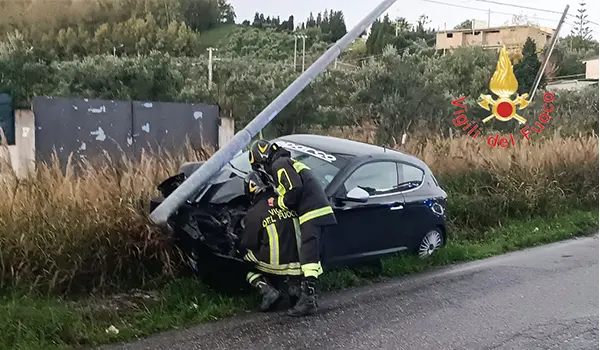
(591, 69)
(106, 127)
(21, 156)
(91, 128)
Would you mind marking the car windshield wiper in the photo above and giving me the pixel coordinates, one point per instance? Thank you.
(236, 168)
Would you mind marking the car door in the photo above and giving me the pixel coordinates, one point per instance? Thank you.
(417, 213)
(366, 229)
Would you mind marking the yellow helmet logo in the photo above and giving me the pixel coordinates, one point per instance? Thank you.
(251, 187)
(263, 149)
(251, 157)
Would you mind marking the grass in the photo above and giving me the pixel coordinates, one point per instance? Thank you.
(38, 322)
(73, 247)
(66, 234)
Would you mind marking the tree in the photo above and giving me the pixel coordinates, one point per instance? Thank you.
(466, 24)
(403, 25)
(337, 25)
(520, 20)
(581, 34)
(310, 21)
(421, 23)
(527, 69)
(581, 28)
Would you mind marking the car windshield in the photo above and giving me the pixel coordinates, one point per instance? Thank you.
(324, 170)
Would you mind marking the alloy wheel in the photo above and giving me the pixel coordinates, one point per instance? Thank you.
(430, 243)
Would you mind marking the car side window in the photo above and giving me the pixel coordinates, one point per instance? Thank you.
(409, 176)
(375, 178)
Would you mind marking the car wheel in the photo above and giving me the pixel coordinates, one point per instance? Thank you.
(431, 242)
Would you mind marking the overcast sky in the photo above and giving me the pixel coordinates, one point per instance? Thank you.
(440, 14)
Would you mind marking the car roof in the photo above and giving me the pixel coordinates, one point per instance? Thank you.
(335, 145)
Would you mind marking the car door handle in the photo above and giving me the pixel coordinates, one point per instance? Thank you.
(397, 207)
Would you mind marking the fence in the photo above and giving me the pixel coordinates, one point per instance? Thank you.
(87, 128)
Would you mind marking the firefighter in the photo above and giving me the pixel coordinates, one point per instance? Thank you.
(269, 241)
(299, 190)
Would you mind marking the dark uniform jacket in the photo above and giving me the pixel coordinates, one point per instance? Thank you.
(270, 238)
(300, 190)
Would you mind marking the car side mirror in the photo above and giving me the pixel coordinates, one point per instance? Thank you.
(357, 194)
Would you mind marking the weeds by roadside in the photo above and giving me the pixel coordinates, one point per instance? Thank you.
(65, 234)
(29, 322)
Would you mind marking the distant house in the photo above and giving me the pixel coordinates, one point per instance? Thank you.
(513, 37)
(591, 78)
(591, 68)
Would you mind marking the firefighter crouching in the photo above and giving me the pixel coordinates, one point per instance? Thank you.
(298, 190)
(269, 241)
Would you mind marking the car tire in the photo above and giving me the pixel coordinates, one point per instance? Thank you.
(431, 242)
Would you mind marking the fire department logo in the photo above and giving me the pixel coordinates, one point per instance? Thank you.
(504, 84)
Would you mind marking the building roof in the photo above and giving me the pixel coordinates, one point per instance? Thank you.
(469, 30)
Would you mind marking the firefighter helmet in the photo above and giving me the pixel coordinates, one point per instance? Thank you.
(260, 153)
(254, 185)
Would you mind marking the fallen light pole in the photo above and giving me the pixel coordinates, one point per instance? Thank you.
(161, 213)
(540, 72)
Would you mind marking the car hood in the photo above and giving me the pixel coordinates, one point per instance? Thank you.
(226, 185)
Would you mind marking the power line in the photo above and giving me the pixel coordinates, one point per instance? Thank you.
(491, 11)
(529, 8)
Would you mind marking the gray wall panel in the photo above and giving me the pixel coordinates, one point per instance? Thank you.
(166, 125)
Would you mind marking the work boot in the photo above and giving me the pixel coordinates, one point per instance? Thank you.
(270, 295)
(307, 304)
(294, 290)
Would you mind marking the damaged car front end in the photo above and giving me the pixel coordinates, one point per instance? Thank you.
(208, 226)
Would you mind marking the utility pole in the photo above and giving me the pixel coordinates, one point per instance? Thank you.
(161, 214)
(489, 17)
(115, 49)
(295, 49)
(303, 36)
(210, 65)
(540, 72)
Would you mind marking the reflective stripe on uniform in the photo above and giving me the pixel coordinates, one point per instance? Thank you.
(273, 244)
(281, 190)
(281, 203)
(298, 234)
(312, 269)
(315, 214)
(298, 166)
(251, 276)
(281, 269)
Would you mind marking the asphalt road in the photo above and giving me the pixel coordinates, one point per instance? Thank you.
(541, 298)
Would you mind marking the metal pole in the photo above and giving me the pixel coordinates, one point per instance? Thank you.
(295, 48)
(210, 66)
(540, 72)
(303, 50)
(161, 214)
(489, 17)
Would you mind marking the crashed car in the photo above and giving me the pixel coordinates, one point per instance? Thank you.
(385, 202)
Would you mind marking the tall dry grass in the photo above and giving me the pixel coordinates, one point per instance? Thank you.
(61, 232)
(64, 233)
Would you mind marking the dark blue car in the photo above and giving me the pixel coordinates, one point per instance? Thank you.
(385, 202)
